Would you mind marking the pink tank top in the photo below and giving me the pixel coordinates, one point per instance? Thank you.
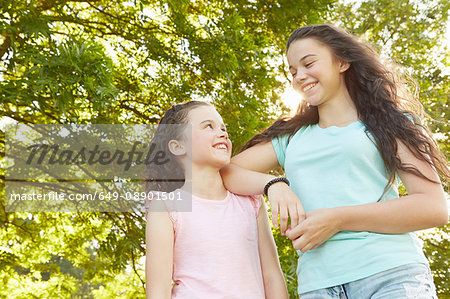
(216, 249)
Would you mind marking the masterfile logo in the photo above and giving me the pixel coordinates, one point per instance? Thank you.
(77, 167)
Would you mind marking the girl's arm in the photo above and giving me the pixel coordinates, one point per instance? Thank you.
(425, 206)
(274, 285)
(159, 238)
(247, 175)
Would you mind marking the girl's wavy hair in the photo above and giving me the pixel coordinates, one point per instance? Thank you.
(384, 105)
(168, 176)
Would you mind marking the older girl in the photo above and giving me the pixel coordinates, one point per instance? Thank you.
(352, 136)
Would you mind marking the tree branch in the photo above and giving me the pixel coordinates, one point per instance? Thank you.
(5, 46)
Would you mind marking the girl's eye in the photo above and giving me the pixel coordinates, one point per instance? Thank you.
(309, 64)
(209, 126)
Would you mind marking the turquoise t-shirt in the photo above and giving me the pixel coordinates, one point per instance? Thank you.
(341, 166)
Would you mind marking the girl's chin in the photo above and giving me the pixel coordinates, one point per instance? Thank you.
(216, 163)
(312, 101)
(223, 163)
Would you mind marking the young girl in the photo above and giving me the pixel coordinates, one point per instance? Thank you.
(223, 247)
(342, 152)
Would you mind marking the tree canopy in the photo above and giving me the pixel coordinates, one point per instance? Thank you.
(97, 61)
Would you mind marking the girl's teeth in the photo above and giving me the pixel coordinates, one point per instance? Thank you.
(309, 87)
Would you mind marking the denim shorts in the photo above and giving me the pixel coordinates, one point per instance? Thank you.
(407, 281)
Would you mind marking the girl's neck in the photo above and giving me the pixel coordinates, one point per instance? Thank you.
(205, 183)
(339, 111)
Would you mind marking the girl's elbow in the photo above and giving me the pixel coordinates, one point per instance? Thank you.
(274, 279)
(442, 219)
(440, 216)
(276, 289)
(225, 171)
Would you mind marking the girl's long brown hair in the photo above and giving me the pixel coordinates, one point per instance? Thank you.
(388, 112)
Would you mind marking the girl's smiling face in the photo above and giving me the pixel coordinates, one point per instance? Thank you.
(210, 143)
(317, 73)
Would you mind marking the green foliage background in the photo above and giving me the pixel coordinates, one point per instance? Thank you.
(97, 61)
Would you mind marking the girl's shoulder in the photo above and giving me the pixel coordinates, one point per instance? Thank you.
(285, 138)
(254, 200)
(170, 202)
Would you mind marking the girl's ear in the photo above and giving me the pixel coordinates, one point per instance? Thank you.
(176, 148)
(343, 66)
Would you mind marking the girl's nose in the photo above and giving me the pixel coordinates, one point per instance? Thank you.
(298, 80)
(299, 77)
(223, 134)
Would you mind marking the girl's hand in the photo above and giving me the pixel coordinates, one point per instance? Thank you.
(283, 201)
(319, 226)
